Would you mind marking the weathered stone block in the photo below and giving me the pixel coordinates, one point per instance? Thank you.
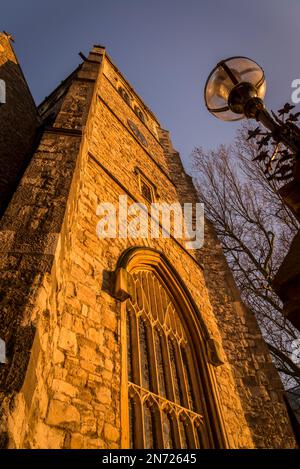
(77, 441)
(45, 437)
(64, 388)
(61, 414)
(67, 340)
(103, 395)
(111, 433)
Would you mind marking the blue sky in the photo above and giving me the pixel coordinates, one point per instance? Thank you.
(165, 48)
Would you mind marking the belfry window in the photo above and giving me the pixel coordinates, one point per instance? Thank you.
(166, 405)
(124, 95)
(147, 189)
(139, 113)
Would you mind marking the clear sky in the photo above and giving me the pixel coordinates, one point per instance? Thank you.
(165, 48)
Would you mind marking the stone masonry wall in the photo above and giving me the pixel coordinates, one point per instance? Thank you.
(18, 123)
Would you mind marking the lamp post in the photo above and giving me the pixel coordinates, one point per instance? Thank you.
(234, 90)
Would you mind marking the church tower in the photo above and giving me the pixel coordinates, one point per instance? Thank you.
(124, 341)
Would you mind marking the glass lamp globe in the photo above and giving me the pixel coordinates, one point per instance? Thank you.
(229, 79)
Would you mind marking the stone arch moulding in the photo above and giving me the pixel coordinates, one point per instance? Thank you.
(208, 352)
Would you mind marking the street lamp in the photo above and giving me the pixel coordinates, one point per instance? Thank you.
(232, 82)
(235, 89)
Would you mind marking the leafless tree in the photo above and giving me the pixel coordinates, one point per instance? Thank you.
(255, 229)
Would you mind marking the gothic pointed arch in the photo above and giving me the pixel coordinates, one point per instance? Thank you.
(169, 398)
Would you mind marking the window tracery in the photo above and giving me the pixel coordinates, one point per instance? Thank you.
(163, 409)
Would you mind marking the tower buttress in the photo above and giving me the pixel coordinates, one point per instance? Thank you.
(18, 122)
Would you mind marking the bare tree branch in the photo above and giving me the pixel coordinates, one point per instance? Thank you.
(255, 228)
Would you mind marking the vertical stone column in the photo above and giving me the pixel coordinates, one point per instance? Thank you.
(32, 222)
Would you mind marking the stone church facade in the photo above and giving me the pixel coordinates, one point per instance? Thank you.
(115, 343)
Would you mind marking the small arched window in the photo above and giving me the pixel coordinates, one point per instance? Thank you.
(166, 402)
(124, 95)
(139, 113)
